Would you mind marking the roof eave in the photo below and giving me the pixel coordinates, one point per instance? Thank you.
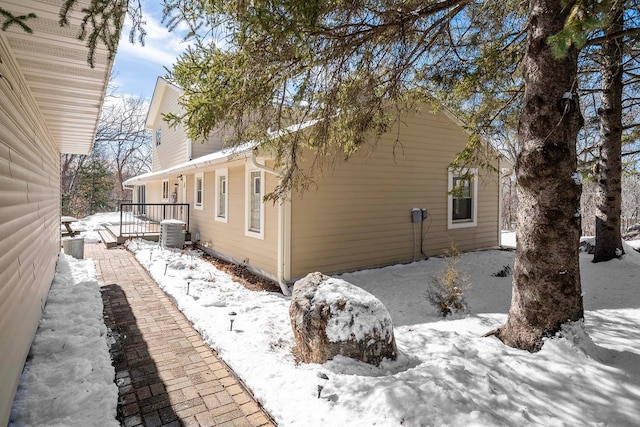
(67, 91)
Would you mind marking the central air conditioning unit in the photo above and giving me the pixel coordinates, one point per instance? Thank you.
(172, 233)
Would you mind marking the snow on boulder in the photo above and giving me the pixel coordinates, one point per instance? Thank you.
(332, 317)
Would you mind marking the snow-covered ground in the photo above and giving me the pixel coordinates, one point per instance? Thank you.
(635, 244)
(446, 373)
(68, 377)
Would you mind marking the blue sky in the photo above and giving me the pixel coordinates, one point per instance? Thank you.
(137, 67)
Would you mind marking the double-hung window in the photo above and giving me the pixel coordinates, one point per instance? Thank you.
(222, 198)
(198, 196)
(462, 210)
(254, 203)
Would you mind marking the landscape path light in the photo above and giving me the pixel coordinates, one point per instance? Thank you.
(322, 381)
(232, 317)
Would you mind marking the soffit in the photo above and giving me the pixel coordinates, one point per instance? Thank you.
(53, 62)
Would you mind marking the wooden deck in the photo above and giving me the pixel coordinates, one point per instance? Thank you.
(142, 220)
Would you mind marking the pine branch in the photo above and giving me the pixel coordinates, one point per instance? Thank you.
(102, 24)
(613, 36)
(10, 19)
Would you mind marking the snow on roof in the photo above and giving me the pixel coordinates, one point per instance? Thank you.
(219, 157)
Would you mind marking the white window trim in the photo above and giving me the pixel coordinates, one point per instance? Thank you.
(220, 173)
(199, 206)
(247, 211)
(158, 137)
(474, 201)
(162, 196)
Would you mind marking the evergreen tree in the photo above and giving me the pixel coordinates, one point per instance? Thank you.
(485, 87)
(546, 274)
(94, 188)
(609, 166)
(377, 56)
(101, 25)
(353, 68)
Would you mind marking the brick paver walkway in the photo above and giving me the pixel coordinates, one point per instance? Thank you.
(166, 375)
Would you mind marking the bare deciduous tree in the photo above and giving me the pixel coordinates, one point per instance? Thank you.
(123, 139)
(122, 149)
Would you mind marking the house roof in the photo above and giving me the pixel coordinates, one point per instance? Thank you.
(156, 100)
(219, 157)
(67, 91)
(212, 159)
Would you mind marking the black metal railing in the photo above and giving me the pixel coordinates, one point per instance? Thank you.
(141, 219)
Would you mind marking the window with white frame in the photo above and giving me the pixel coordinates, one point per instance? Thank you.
(198, 195)
(255, 208)
(222, 200)
(158, 136)
(165, 190)
(462, 210)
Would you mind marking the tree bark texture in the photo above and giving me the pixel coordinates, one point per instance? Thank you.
(609, 199)
(546, 289)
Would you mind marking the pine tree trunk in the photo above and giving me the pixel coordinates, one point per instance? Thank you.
(546, 273)
(609, 199)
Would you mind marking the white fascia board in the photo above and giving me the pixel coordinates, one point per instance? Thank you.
(217, 158)
(156, 100)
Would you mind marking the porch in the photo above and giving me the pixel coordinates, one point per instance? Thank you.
(142, 220)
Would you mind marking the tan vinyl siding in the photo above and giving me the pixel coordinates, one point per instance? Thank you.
(228, 238)
(29, 225)
(212, 144)
(175, 147)
(154, 192)
(173, 142)
(361, 214)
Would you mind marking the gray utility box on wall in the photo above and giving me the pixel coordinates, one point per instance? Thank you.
(172, 233)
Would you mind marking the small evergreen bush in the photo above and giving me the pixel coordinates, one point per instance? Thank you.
(446, 291)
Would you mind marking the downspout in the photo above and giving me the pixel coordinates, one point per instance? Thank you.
(500, 196)
(500, 202)
(283, 259)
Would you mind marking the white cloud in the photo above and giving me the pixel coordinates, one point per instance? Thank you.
(122, 101)
(161, 46)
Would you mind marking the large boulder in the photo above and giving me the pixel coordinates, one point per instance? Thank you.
(332, 317)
